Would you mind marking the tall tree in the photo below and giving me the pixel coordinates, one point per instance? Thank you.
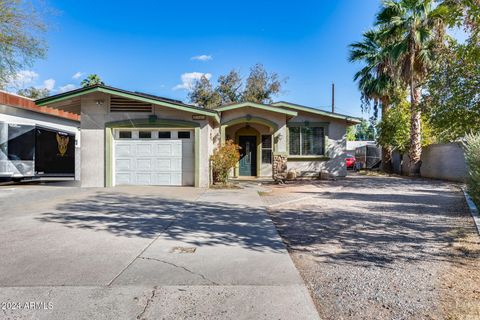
(229, 87)
(351, 133)
(452, 93)
(261, 86)
(365, 131)
(376, 80)
(34, 93)
(394, 129)
(417, 30)
(203, 94)
(92, 80)
(451, 96)
(465, 14)
(21, 31)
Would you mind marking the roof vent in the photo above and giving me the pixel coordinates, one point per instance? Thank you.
(119, 104)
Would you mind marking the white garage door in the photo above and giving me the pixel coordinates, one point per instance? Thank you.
(150, 157)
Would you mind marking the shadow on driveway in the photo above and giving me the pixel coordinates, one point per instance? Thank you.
(195, 223)
(374, 221)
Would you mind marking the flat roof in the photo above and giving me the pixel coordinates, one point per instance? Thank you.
(17, 101)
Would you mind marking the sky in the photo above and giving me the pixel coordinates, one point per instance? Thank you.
(159, 47)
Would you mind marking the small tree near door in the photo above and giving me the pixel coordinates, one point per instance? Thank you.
(223, 160)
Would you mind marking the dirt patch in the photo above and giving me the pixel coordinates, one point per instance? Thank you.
(461, 281)
(375, 247)
(225, 186)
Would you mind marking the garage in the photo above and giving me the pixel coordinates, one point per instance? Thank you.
(153, 157)
(134, 138)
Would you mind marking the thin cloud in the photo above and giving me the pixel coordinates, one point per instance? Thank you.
(67, 87)
(189, 78)
(22, 79)
(77, 75)
(49, 84)
(203, 57)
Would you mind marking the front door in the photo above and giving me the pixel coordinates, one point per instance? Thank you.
(248, 155)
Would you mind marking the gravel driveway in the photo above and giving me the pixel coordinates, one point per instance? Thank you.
(374, 247)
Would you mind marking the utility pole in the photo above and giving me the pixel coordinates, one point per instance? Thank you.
(333, 97)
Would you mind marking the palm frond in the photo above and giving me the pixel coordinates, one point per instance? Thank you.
(389, 13)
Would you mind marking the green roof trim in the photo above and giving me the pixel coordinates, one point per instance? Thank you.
(258, 106)
(316, 111)
(129, 95)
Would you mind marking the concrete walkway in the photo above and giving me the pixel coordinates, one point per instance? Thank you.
(145, 253)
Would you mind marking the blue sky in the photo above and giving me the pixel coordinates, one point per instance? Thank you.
(148, 45)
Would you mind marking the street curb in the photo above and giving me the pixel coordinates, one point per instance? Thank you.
(473, 210)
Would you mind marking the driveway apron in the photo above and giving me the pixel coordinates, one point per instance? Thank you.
(156, 253)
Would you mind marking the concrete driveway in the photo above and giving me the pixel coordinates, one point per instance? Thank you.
(143, 253)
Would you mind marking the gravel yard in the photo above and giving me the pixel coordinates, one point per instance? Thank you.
(374, 247)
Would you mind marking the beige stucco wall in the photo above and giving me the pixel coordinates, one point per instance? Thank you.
(95, 116)
(280, 136)
(335, 148)
(93, 140)
(92, 126)
(439, 161)
(335, 144)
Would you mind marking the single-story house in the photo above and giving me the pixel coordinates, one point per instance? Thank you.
(133, 138)
(22, 153)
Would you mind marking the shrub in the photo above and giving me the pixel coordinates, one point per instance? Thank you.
(223, 160)
(472, 156)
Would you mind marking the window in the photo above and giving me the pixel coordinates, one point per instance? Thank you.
(21, 142)
(307, 141)
(164, 134)
(267, 149)
(145, 134)
(183, 134)
(125, 134)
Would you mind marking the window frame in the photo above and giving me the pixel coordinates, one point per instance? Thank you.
(145, 131)
(184, 131)
(162, 131)
(266, 149)
(307, 124)
(125, 131)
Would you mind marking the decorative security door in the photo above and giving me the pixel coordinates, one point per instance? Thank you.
(248, 155)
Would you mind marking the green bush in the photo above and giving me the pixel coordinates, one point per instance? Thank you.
(223, 160)
(472, 156)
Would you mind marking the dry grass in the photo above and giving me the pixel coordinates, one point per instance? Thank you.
(461, 282)
(264, 193)
(372, 173)
(225, 186)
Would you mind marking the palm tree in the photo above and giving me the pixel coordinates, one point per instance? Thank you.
(375, 80)
(415, 30)
(91, 80)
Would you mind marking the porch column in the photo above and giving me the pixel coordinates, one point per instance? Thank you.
(222, 134)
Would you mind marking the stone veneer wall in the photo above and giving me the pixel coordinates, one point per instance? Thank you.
(279, 171)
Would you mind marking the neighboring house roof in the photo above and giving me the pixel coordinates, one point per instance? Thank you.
(175, 104)
(316, 111)
(16, 101)
(256, 105)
